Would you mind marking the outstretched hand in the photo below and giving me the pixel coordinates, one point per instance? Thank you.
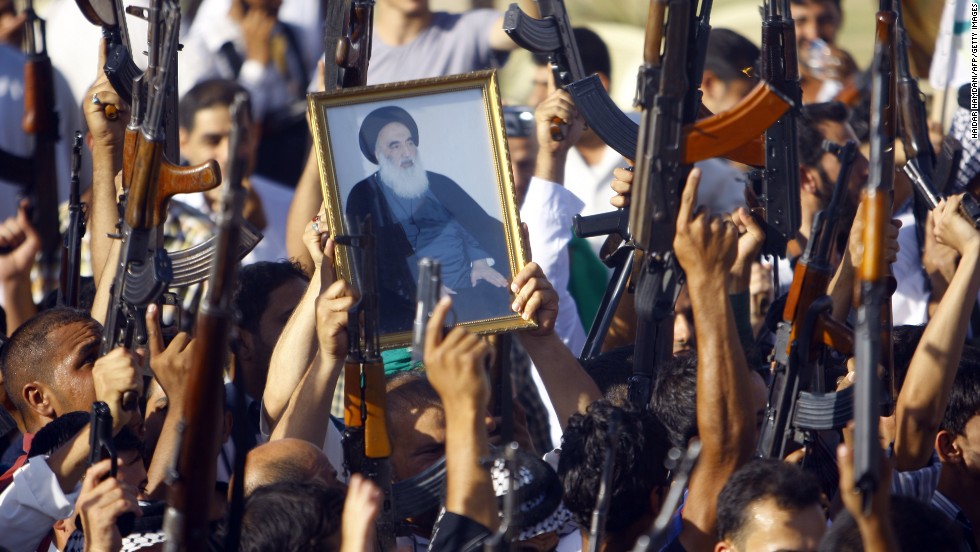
(170, 364)
(100, 503)
(952, 228)
(361, 508)
(481, 270)
(331, 318)
(107, 118)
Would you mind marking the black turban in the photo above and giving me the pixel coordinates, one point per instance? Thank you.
(377, 120)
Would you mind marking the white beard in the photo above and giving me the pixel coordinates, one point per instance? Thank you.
(407, 183)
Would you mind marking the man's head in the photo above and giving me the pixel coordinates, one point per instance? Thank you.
(293, 517)
(47, 365)
(917, 526)
(595, 61)
(818, 168)
(389, 138)
(729, 69)
(816, 19)
(416, 423)
(769, 505)
(674, 398)
(522, 146)
(958, 439)
(267, 294)
(287, 461)
(205, 122)
(639, 477)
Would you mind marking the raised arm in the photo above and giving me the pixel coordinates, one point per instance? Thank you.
(569, 386)
(309, 406)
(21, 242)
(925, 393)
(706, 248)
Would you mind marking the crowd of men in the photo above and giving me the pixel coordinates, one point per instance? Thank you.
(583, 444)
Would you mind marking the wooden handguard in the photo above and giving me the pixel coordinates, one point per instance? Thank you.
(352, 394)
(147, 203)
(876, 215)
(736, 134)
(38, 96)
(376, 442)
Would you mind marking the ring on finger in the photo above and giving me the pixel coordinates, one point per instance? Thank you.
(95, 99)
(316, 226)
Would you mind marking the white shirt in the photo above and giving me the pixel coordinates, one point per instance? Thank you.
(547, 210)
(591, 184)
(910, 302)
(31, 504)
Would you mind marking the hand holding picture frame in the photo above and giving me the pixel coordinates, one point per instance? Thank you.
(427, 162)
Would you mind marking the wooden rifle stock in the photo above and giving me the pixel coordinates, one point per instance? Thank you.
(193, 489)
(41, 121)
(873, 271)
(367, 446)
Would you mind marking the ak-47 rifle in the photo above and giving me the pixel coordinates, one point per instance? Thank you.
(781, 178)
(553, 36)
(41, 121)
(347, 43)
(426, 297)
(667, 94)
(119, 65)
(186, 519)
(873, 272)
(366, 443)
(72, 252)
(797, 403)
(143, 270)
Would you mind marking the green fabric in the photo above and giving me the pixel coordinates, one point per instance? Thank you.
(396, 360)
(586, 280)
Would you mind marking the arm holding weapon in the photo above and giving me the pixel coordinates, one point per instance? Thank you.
(925, 393)
(186, 519)
(21, 243)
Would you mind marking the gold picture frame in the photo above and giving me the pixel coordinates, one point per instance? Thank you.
(456, 129)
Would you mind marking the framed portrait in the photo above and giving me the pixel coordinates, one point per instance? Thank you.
(426, 162)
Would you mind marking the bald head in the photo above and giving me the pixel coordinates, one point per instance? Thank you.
(287, 461)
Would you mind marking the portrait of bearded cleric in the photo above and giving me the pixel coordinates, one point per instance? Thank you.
(419, 213)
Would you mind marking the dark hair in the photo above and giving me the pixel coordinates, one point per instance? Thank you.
(206, 94)
(611, 372)
(917, 527)
(836, 3)
(256, 282)
(591, 49)
(674, 398)
(905, 340)
(810, 138)
(638, 467)
(792, 488)
(730, 54)
(27, 355)
(292, 517)
(964, 398)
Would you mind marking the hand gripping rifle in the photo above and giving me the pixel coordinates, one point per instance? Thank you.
(191, 491)
(119, 66)
(347, 43)
(72, 251)
(366, 443)
(143, 270)
(660, 174)
(798, 404)
(551, 35)
(873, 272)
(101, 446)
(41, 121)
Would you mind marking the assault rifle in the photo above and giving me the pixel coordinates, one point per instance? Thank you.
(347, 43)
(191, 491)
(72, 251)
(781, 178)
(660, 174)
(426, 296)
(798, 404)
(873, 272)
(551, 35)
(41, 121)
(923, 186)
(366, 443)
(144, 270)
(119, 66)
